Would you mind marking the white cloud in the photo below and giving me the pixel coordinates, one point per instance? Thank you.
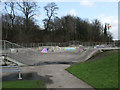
(72, 12)
(87, 3)
(113, 21)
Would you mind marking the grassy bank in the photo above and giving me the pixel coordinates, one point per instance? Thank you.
(101, 73)
(24, 84)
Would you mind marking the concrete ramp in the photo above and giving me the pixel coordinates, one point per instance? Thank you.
(88, 54)
(28, 57)
(85, 55)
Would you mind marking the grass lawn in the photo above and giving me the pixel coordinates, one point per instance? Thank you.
(101, 73)
(24, 84)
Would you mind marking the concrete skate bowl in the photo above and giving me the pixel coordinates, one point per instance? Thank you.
(34, 57)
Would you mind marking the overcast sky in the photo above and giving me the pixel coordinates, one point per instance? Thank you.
(104, 10)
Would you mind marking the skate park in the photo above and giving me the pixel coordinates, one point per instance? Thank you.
(61, 44)
(21, 63)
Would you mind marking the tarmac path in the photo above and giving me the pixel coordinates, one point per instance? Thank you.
(56, 76)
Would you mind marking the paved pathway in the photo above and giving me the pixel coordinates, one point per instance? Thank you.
(59, 76)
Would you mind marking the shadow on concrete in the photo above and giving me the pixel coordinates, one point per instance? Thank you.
(28, 76)
(48, 63)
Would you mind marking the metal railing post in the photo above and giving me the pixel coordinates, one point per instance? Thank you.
(4, 49)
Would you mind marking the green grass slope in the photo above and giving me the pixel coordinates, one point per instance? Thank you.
(101, 73)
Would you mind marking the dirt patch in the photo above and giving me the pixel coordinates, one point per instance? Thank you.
(102, 55)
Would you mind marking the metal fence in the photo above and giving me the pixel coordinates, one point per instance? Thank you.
(17, 54)
(70, 43)
(7, 46)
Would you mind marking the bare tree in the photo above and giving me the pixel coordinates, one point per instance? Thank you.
(5, 25)
(10, 9)
(50, 9)
(28, 9)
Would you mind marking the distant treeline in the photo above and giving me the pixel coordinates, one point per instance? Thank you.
(23, 28)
